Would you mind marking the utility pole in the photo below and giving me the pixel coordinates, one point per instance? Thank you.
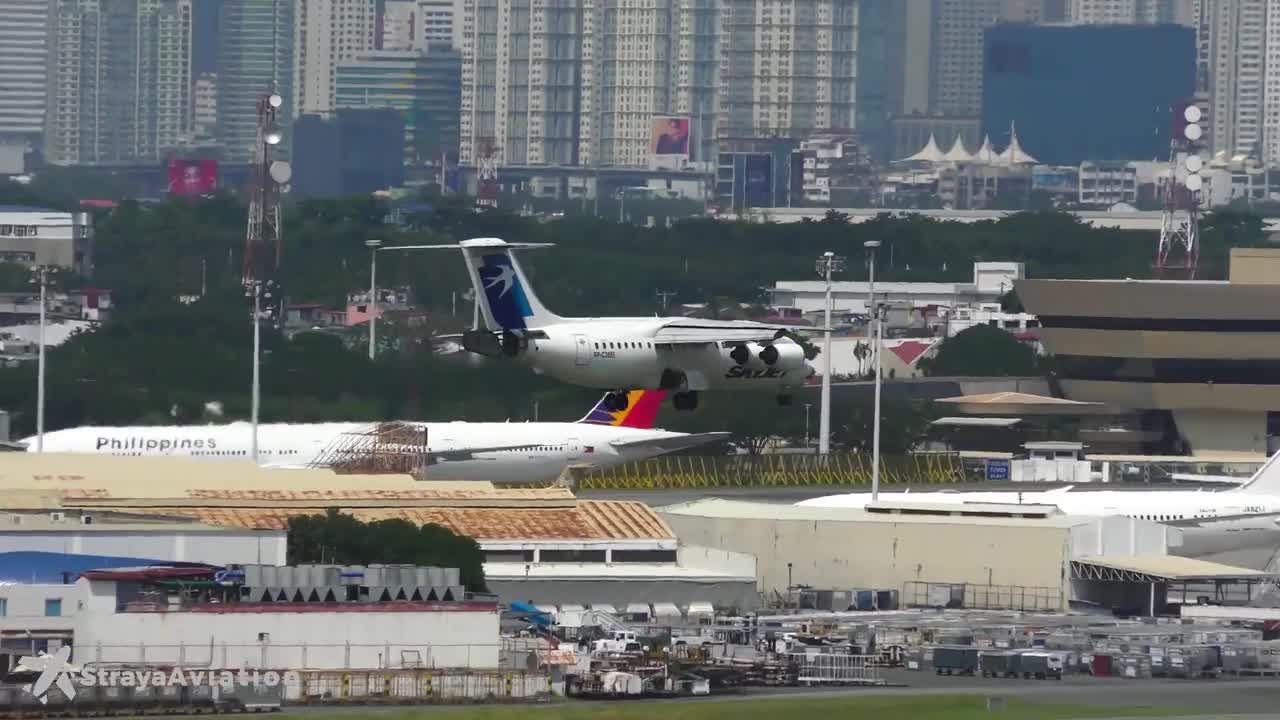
(373, 244)
(873, 321)
(827, 265)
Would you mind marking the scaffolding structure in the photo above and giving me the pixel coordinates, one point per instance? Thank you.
(389, 448)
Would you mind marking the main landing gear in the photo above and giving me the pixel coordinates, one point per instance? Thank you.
(615, 401)
(687, 400)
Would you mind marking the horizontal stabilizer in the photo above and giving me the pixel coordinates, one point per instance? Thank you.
(671, 443)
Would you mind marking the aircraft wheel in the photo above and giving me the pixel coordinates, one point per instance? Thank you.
(616, 401)
(685, 400)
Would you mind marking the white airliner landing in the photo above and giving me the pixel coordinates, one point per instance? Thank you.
(1244, 515)
(504, 453)
(679, 354)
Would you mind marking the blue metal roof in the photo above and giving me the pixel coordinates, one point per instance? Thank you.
(51, 567)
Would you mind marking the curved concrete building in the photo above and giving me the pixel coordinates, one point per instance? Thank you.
(1198, 361)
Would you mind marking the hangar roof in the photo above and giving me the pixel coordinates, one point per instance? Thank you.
(1159, 568)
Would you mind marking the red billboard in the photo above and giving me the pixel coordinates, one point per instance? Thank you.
(192, 177)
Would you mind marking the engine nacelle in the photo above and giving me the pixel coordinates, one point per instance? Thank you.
(747, 354)
(783, 355)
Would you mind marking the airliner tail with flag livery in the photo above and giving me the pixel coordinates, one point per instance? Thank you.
(505, 453)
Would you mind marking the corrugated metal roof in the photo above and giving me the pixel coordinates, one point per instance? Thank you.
(588, 520)
(1171, 567)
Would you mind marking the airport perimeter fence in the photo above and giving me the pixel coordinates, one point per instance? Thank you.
(679, 472)
(972, 596)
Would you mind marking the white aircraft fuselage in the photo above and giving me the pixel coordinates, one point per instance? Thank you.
(538, 452)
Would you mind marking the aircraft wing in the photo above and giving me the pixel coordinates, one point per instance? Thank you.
(469, 453)
(697, 332)
(671, 443)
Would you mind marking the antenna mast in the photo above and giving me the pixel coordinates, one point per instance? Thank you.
(1180, 224)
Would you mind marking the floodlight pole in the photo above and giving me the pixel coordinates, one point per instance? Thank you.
(827, 264)
(873, 329)
(373, 244)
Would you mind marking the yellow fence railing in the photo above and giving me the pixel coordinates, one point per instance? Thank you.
(676, 472)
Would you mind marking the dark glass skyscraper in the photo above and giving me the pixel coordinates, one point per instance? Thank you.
(1087, 92)
(255, 57)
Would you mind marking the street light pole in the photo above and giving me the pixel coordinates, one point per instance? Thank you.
(373, 244)
(827, 264)
(42, 278)
(256, 394)
(871, 246)
(806, 425)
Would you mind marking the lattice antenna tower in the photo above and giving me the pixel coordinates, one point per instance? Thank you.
(262, 242)
(1178, 250)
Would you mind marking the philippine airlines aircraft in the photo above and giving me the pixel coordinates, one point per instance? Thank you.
(683, 355)
(530, 452)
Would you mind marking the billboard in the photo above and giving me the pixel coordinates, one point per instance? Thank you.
(192, 177)
(669, 136)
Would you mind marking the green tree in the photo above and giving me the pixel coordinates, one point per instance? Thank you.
(902, 426)
(341, 539)
(983, 350)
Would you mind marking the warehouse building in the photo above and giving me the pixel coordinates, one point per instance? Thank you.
(541, 545)
(1015, 557)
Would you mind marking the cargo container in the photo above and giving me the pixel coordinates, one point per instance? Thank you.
(996, 663)
(955, 660)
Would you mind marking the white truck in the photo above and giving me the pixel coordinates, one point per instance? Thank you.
(620, 641)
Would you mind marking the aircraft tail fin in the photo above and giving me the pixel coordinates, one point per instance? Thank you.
(507, 299)
(641, 412)
(1266, 481)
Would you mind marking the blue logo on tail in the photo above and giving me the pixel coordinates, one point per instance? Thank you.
(503, 290)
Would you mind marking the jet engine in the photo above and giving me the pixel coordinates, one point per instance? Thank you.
(785, 356)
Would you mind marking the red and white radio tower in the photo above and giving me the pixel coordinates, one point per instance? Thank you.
(1180, 225)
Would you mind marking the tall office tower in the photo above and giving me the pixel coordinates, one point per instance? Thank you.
(424, 87)
(24, 32)
(956, 73)
(327, 32)
(415, 24)
(787, 68)
(119, 80)
(643, 62)
(255, 57)
(1023, 11)
(521, 72)
(1130, 12)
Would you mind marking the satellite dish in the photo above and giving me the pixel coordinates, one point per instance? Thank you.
(1192, 114)
(1194, 182)
(275, 101)
(1192, 131)
(1194, 163)
(281, 171)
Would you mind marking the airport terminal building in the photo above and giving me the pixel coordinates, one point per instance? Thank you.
(1197, 362)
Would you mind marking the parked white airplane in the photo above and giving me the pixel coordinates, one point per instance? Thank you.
(1244, 516)
(534, 452)
(1259, 495)
(679, 354)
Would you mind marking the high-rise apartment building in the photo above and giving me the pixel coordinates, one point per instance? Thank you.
(205, 112)
(24, 32)
(415, 24)
(327, 32)
(1232, 53)
(119, 84)
(642, 61)
(1130, 12)
(255, 58)
(956, 74)
(787, 69)
(521, 73)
